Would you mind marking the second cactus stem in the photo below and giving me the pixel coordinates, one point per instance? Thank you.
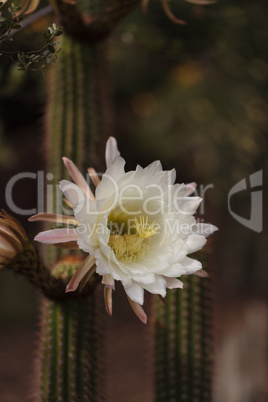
(71, 352)
(184, 343)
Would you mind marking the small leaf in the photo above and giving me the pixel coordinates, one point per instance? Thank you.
(51, 48)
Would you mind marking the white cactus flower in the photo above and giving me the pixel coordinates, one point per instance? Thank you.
(138, 228)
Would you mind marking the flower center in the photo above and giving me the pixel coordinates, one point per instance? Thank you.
(131, 245)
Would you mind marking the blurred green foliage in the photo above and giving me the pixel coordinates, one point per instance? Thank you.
(11, 16)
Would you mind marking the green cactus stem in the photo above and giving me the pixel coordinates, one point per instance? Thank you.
(184, 342)
(71, 351)
(78, 123)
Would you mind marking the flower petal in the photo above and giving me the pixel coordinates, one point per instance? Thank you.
(204, 229)
(78, 178)
(54, 236)
(69, 220)
(108, 299)
(195, 242)
(72, 192)
(105, 266)
(157, 287)
(138, 310)
(173, 283)
(111, 151)
(86, 278)
(85, 267)
(108, 281)
(191, 265)
(86, 212)
(109, 183)
(94, 176)
(201, 273)
(188, 205)
(135, 292)
(174, 270)
(179, 250)
(190, 188)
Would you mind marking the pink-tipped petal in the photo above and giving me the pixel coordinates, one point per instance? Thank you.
(188, 205)
(108, 299)
(80, 273)
(173, 283)
(86, 278)
(190, 188)
(202, 273)
(111, 151)
(55, 236)
(138, 310)
(78, 178)
(94, 176)
(108, 281)
(69, 220)
(204, 229)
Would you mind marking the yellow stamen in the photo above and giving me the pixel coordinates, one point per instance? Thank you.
(131, 247)
(128, 247)
(144, 230)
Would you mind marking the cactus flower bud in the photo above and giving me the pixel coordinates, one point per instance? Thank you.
(12, 238)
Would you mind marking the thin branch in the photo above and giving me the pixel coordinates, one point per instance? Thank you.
(35, 17)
